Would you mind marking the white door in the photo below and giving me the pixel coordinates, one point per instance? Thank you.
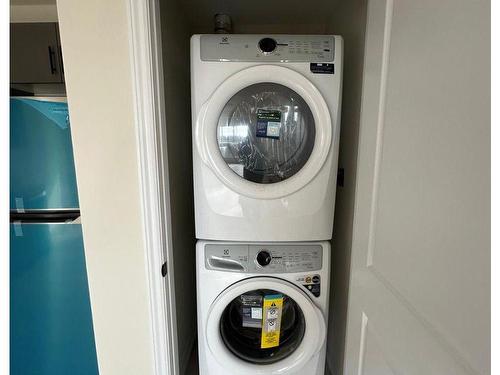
(420, 273)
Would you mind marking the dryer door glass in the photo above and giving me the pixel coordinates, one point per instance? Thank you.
(262, 326)
(266, 133)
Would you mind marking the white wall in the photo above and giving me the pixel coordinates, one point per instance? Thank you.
(96, 52)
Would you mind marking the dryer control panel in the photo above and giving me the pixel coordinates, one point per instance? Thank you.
(264, 258)
(267, 48)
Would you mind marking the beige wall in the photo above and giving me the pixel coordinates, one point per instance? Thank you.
(33, 13)
(96, 54)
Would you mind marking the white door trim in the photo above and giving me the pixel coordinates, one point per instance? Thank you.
(147, 75)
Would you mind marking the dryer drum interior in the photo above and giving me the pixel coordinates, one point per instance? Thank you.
(245, 342)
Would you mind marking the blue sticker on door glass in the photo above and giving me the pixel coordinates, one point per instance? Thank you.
(268, 123)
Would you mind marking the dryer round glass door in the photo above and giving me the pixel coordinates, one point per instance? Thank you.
(246, 324)
(266, 133)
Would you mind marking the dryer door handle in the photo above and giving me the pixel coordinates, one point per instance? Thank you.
(199, 134)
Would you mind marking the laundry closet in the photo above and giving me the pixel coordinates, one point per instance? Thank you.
(380, 213)
(182, 19)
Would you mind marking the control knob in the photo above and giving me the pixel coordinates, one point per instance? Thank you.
(264, 258)
(267, 45)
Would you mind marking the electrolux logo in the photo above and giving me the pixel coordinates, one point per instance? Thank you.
(224, 40)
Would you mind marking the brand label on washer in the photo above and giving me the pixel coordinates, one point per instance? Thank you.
(271, 321)
(268, 123)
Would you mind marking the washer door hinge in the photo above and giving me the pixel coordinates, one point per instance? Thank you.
(164, 269)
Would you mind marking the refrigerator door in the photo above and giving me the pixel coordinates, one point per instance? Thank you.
(42, 172)
(51, 331)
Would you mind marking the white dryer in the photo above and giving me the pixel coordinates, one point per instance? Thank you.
(266, 116)
(262, 308)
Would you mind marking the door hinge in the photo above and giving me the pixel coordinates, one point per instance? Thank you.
(164, 269)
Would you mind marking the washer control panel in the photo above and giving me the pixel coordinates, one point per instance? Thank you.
(264, 258)
(277, 48)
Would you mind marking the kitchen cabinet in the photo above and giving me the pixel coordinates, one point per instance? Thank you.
(35, 53)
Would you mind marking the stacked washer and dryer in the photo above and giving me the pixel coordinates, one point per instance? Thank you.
(266, 118)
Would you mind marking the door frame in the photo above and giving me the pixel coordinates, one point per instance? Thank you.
(149, 107)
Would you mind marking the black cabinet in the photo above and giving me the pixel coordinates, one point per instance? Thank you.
(35, 53)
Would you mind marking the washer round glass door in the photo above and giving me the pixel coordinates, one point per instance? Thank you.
(264, 325)
(244, 325)
(266, 133)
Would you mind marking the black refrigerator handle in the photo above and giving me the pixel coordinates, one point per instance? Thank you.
(44, 216)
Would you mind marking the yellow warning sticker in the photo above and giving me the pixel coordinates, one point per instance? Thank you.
(271, 321)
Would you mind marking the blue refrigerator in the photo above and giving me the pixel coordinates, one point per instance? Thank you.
(51, 329)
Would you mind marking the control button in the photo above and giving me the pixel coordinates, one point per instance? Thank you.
(264, 258)
(267, 45)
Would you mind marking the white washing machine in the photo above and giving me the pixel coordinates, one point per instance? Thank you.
(262, 308)
(266, 116)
